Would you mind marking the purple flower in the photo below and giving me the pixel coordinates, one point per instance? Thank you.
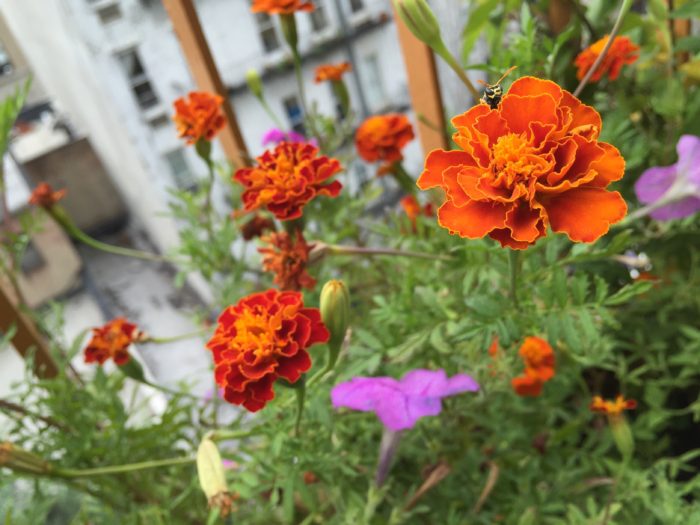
(275, 136)
(673, 192)
(399, 404)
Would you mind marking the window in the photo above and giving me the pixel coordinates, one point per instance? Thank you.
(109, 13)
(374, 87)
(319, 21)
(5, 62)
(180, 170)
(356, 5)
(268, 33)
(138, 80)
(294, 114)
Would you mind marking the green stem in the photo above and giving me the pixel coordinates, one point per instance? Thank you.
(626, 4)
(442, 51)
(271, 114)
(120, 469)
(337, 249)
(301, 397)
(402, 178)
(514, 261)
(165, 340)
(223, 435)
(76, 233)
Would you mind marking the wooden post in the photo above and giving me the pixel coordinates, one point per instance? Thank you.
(183, 16)
(423, 87)
(27, 338)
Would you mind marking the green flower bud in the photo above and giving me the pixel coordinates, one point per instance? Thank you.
(254, 83)
(420, 20)
(622, 435)
(335, 312)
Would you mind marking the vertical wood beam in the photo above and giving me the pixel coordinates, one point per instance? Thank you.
(423, 87)
(27, 339)
(183, 16)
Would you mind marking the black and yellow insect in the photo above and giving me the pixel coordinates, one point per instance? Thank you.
(494, 92)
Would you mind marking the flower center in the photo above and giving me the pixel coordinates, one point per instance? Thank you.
(255, 334)
(513, 161)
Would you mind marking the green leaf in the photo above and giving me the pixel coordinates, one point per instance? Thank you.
(628, 292)
(476, 21)
(691, 9)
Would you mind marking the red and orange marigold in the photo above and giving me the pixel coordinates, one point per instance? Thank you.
(263, 337)
(45, 196)
(112, 341)
(534, 161)
(382, 137)
(413, 209)
(287, 257)
(538, 357)
(622, 51)
(286, 178)
(281, 7)
(331, 72)
(612, 408)
(256, 227)
(198, 116)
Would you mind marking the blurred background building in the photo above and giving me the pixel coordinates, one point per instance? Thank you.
(97, 122)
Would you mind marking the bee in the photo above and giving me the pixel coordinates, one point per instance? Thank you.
(494, 92)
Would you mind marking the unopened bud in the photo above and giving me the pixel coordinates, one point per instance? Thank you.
(335, 312)
(622, 435)
(212, 478)
(254, 83)
(420, 20)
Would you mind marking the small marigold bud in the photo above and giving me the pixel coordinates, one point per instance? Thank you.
(254, 83)
(335, 312)
(420, 20)
(212, 478)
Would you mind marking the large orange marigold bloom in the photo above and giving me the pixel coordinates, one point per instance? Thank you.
(281, 7)
(382, 137)
(112, 341)
(287, 258)
(538, 357)
(199, 116)
(45, 196)
(622, 51)
(286, 178)
(612, 408)
(331, 72)
(263, 337)
(535, 161)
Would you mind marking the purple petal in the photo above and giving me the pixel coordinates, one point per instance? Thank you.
(274, 136)
(424, 383)
(394, 412)
(461, 383)
(689, 158)
(678, 210)
(293, 136)
(363, 393)
(654, 182)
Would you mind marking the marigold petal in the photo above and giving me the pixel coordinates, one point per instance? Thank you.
(437, 162)
(610, 167)
(520, 111)
(526, 86)
(473, 220)
(584, 119)
(584, 214)
(524, 222)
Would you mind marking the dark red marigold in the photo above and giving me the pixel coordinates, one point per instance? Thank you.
(45, 196)
(287, 257)
(263, 337)
(286, 178)
(112, 341)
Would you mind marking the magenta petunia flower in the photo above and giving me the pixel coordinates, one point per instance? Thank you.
(275, 136)
(673, 192)
(399, 404)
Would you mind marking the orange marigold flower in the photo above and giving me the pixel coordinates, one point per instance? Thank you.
(382, 137)
(256, 226)
(45, 196)
(263, 337)
(622, 51)
(533, 161)
(331, 72)
(413, 209)
(612, 408)
(287, 258)
(199, 116)
(281, 7)
(538, 357)
(286, 178)
(112, 341)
